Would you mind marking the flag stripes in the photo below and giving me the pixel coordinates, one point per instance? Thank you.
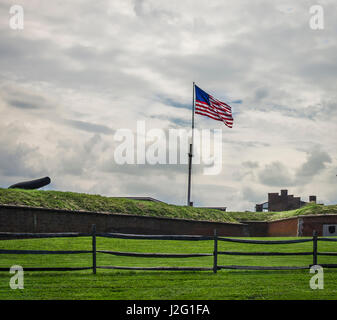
(208, 106)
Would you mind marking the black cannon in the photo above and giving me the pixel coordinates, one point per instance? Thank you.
(32, 184)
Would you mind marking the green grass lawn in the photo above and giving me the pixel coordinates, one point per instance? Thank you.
(164, 285)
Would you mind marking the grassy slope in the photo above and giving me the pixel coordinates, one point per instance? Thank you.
(80, 201)
(112, 284)
(87, 202)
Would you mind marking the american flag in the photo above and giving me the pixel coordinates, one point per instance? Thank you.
(208, 106)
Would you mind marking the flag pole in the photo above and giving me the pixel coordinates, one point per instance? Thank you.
(190, 154)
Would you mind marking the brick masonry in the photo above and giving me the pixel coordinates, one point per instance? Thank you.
(28, 219)
(311, 223)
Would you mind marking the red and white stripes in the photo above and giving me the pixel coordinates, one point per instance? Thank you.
(216, 110)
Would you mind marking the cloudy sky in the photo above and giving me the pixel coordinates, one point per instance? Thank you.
(80, 70)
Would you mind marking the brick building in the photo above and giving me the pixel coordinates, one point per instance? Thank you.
(282, 202)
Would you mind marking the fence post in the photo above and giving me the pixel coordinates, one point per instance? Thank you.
(314, 253)
(215, 252)
(94, 249)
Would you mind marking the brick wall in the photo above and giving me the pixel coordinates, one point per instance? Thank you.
(26, 219)
(278, 228)
(257, 228)
(311, 223)
(283, 228)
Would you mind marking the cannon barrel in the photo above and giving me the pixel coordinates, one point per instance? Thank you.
(32, 184)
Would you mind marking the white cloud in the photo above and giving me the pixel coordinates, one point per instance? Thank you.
(81, 70)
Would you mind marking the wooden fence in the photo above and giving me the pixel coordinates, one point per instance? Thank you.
(215, 239)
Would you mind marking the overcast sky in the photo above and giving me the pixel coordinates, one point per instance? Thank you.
(80, 70)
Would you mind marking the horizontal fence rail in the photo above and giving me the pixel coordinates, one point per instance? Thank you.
(154, 237)
(215, 253)
(327, 253)
(43, 235)
(52, 269)
(156, 255)
(43, 251)
(159, 268)
(326, 239)
(328, 265)
(263, 241)
(262, 268)
(265, 253)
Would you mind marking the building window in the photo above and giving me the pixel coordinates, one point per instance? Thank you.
(332, 229)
